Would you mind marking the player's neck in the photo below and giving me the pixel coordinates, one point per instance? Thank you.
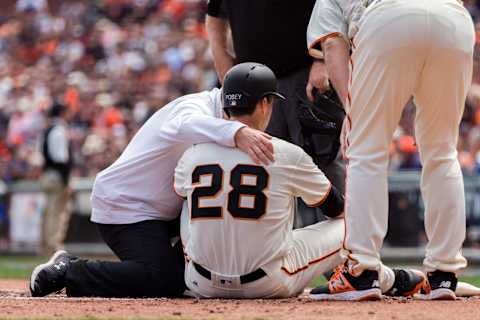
(249, 121)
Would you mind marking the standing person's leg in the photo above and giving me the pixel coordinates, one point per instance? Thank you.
(385, 70)
(53, 233)
(440, 100)
(63, 216)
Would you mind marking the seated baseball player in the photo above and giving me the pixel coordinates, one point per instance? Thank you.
(237, 221)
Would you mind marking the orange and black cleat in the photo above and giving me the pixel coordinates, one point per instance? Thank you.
(343, 286)
(408, 282)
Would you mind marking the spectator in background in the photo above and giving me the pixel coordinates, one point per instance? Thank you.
(31, 5)
(54, 180)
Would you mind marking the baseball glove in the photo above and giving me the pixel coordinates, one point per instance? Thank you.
(321, 123)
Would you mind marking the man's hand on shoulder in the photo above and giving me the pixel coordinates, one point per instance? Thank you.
(256, 144)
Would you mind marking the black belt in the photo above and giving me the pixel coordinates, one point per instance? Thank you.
(246, 278)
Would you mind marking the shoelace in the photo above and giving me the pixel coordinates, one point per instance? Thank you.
(338, 272)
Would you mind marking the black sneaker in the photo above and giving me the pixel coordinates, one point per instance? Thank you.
(345, 287)
(407, 283)
(441, 286)
(49, 277)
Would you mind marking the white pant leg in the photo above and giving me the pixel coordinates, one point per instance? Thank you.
(388, 55)
(315, 250)
(440, 100)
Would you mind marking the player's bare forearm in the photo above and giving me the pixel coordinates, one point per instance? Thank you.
(337, 55)
(218, 31)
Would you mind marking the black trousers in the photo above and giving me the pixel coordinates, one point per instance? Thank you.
(149, 266)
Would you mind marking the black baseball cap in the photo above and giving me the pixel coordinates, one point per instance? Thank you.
(246, 83)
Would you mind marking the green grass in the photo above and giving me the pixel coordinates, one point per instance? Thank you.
(18, 267)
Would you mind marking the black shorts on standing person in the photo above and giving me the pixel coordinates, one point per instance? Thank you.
(273, 32)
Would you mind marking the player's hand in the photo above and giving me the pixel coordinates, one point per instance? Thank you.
(256, 144)
(318, 78)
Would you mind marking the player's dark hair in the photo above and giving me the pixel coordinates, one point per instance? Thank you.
(246, 110)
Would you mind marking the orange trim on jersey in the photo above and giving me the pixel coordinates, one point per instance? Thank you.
(319, 203)
(291, 273)
(349, 95)
(349, 104)
(345, 197)
(345, 203)
(347, 144)
(325, 37)
(175, 191)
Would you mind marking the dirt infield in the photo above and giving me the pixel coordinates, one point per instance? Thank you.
(16, 303)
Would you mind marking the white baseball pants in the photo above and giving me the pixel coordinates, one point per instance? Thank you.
(314, 250)
(405, 48)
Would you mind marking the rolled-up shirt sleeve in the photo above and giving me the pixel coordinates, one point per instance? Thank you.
(326, 21)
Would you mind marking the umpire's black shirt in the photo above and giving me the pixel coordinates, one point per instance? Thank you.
(272, 32)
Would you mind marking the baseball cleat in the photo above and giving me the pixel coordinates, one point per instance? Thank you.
(343, 286)
(49, 277)
(440, 286)
(407, 283)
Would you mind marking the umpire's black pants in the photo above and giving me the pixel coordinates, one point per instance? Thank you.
(149, 266)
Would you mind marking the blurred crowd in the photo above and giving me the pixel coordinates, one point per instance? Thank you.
(115, 62)
(112, 63)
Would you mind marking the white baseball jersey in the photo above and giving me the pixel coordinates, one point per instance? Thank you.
(138, 186)
(240, 215)
(334, 18)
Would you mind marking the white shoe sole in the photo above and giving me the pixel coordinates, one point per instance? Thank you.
(361, 295)
(438, 294)
(39, 268)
